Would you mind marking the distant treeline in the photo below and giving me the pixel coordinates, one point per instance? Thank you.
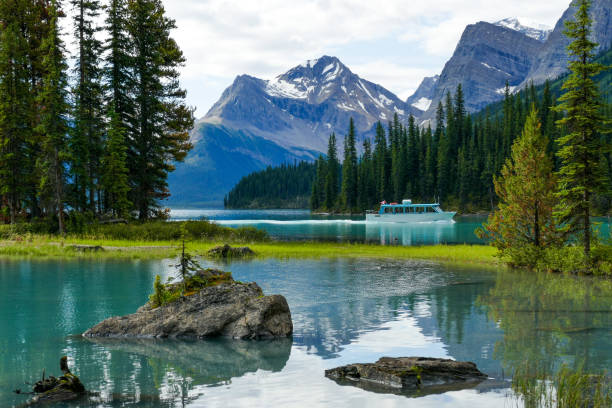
(97, 140)
(286, 186)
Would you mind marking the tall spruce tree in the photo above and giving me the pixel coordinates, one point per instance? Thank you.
(87, 128)
(118, 64)
(332, 174)
(114, 178)
(581, 149)
(349, 169)
(53, 124)
(15, 106)
(159, 135)
(380, 163)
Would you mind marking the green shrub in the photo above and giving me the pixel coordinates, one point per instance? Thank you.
(571, 259)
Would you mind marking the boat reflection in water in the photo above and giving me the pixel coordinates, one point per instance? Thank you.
(418, 233)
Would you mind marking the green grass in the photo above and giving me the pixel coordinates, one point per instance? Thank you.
(567, 388)
(45, 246)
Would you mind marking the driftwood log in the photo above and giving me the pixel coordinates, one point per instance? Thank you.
(51, 390)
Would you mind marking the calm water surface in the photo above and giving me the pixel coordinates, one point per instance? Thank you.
(344, 311)
(292, 225)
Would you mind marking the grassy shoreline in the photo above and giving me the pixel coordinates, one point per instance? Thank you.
(52, 247)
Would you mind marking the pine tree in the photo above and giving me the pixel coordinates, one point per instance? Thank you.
(380, 163)
(53, 120)
(349, 170)
(15, 107)
(526, 189)
(88, 124)
(443, 165)
(317, 200)
(114, 181)
(331, 182)
(160, 131)
(366, 177)
(581, 175)
(429, 185)
(413, 159)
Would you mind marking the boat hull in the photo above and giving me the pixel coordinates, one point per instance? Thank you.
(411, 218)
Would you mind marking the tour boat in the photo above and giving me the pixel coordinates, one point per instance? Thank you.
(409, 212)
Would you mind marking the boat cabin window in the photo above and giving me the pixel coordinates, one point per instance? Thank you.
(388, 210)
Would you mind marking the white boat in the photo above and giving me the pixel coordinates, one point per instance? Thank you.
(409, 212)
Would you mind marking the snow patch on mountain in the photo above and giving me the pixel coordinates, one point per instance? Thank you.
(496, 69)
(283, 89)
(502, 91)
(422, 104)
(528, 27)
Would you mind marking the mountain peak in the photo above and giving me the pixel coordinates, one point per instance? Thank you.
(530, 28)
(312, 79)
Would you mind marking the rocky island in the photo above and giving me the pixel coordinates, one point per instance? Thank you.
(210, 303)
(409, 374)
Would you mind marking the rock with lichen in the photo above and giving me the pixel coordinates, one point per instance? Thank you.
(406, 374)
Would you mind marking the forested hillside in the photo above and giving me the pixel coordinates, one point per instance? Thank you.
(286, 186)
(453, 164)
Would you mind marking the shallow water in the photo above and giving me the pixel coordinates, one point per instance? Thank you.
(344, 311)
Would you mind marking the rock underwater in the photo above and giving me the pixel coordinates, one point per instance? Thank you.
(409, 374)
(228, 309)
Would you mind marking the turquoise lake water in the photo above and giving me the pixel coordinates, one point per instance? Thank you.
(344, 311)
(292, 225)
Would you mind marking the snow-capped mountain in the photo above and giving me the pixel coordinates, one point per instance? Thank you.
(531, 29)
(300, 108)
(257, 122)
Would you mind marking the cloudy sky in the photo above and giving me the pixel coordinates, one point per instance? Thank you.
(392, 42)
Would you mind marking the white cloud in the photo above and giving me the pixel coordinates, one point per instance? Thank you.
(225, 38)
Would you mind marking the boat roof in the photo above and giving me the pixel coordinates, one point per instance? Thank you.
(410, 205)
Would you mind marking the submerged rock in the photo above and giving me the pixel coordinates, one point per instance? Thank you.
(408, 374)
(229, 309)
(227, 251)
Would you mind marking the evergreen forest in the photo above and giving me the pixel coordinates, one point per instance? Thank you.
(285, 186)
(90, 135)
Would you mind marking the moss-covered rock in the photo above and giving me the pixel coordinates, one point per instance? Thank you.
(407, 374)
